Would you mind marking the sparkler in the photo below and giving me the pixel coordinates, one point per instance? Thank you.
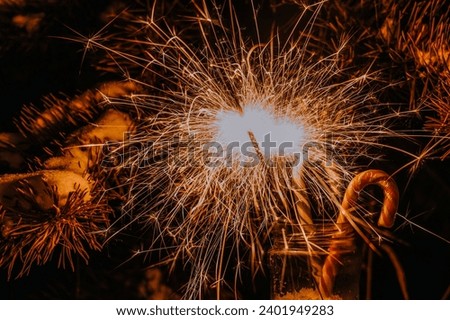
(32, 234)
(59, 211)
(203, 174)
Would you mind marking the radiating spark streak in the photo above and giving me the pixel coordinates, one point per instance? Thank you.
(409, 221)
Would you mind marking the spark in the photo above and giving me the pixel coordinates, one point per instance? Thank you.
(214, 213)
(411, 223)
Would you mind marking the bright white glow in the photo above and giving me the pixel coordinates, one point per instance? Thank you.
(276, 135)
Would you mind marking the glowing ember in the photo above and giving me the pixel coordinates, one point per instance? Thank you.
(275, 135)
